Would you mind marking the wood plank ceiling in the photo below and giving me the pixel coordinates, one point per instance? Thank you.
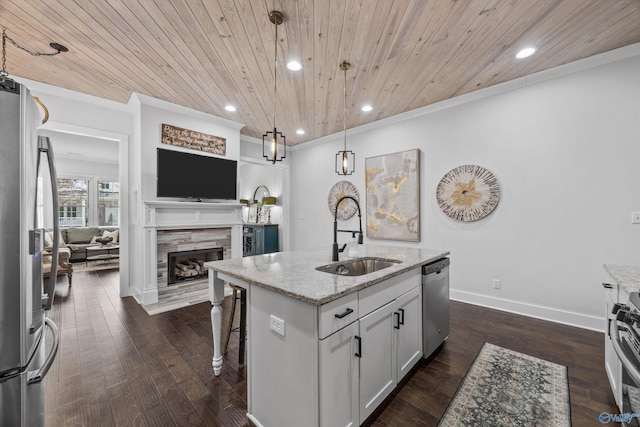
(404, 54)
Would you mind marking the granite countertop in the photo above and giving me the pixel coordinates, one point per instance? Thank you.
(626, 276)
(294, 274)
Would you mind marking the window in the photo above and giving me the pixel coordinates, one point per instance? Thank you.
(108, 203)
(73, 195)
(88, 202)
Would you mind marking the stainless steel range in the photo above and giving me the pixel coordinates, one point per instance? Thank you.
(624, 331)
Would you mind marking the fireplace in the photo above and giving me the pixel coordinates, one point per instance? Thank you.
(187, 266)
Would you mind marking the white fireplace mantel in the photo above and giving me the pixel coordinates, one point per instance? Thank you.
(170, 214)
(174, 215)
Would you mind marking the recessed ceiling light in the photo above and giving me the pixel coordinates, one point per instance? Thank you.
(230, 108)
(367, 108)
(300, 131)
(294, 66)
(528, 51)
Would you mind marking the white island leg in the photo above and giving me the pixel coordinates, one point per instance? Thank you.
(216, 326)
(216, 296)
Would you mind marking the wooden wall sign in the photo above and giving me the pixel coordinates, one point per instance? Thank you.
(186, 138)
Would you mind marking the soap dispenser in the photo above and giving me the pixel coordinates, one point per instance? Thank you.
(353, 246)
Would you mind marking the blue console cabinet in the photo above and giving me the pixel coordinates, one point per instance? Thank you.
(258, 239)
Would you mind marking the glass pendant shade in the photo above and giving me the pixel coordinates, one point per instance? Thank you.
(345, 162)
(274, 144)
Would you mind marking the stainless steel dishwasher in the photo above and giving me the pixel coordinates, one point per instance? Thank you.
(435, 305)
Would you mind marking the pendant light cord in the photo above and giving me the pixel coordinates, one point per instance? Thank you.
(344, 113)
(275, 79)
(3, 73)
(58, 47)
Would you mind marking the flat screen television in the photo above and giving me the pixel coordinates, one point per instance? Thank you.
(195, 176)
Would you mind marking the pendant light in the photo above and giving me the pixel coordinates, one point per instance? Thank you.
(345, 160)
(272, 138)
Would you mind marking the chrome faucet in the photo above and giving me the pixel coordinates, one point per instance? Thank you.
(334, 254)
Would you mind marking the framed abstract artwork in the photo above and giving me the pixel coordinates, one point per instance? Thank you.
(393, 196)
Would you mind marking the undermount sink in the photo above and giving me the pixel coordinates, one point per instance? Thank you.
(358, 266)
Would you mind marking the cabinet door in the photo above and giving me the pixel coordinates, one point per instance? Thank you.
(378, 373)
(271, 243)
(259, 241)
(409, 342)
(249, 241)
(339, 378)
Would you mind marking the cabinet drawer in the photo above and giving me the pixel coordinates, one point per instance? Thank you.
(337, 314)
(378, 295)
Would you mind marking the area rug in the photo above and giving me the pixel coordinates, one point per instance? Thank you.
(506, 388)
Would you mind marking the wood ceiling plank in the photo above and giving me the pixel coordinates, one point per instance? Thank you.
(405, 54)
(304, 79)
(401, 36)
(440, 44)
(366, 66)
(143, 52)
(438, 84)
(230, 22)
(175, 44)
(63, 71)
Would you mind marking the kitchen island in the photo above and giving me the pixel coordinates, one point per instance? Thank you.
(323, 349)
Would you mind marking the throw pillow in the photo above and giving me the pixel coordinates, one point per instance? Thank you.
(113, 234)
(48, 238)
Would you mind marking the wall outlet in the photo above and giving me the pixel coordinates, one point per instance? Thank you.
(277, 325)
(496, 283)
(635, 217)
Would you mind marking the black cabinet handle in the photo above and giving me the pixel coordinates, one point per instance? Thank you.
(397, 316)
(607, 286)
(402, 316)
(359, 352)
(347, 312)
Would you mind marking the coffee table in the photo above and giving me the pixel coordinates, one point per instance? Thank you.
(101, 256)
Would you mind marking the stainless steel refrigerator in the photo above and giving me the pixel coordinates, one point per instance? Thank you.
(27, 349)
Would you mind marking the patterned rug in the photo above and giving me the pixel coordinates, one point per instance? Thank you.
(506, 388)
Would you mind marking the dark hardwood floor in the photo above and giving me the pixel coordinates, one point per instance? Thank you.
(117, 366)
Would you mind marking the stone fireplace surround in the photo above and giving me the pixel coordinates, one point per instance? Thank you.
(185, 226)
(180, 240)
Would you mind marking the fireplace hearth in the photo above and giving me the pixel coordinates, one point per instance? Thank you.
(187, 266)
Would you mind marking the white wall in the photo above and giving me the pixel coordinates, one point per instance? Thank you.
(148, 116)
(78, 114)
(254, 173)
(565, 151)
(151, 113)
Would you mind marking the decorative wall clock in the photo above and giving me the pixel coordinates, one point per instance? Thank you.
(468, 193)
(347, 208)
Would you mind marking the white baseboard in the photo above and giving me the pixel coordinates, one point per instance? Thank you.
(584, 321)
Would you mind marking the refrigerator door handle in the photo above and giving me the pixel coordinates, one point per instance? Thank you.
(37, 376)
(44, 146)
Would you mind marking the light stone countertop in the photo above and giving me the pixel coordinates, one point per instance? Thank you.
(294, 274)
(626, 276)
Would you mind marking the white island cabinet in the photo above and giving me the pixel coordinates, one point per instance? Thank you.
(361, 364)
(328, 350)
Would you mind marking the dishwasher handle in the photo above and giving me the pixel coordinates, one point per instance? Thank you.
(435, 267)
